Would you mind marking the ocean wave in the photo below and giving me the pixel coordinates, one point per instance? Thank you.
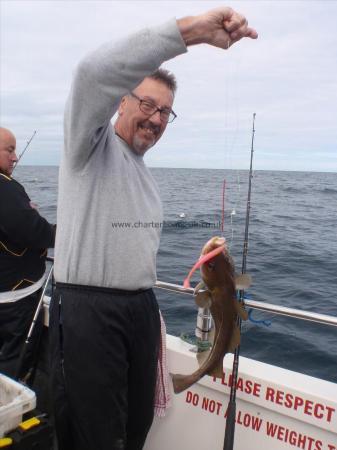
(294, 190)
(329, 191)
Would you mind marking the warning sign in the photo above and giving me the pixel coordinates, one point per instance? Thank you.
(271, 429)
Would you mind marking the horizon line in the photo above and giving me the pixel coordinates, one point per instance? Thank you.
(204, 168)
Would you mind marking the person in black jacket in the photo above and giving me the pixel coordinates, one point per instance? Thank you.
(24, 239)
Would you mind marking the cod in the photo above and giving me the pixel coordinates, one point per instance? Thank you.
(217, 291)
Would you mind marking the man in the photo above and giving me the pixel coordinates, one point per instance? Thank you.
(24, 238)
(104, 318)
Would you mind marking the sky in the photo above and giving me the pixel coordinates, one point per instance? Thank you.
(288, 77)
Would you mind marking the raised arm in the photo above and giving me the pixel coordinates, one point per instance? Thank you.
(103, 77)
(106, 75)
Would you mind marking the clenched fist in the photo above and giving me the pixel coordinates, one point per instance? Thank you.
(220, 27)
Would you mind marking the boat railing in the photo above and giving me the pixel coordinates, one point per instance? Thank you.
(258, 305)
(262, 306)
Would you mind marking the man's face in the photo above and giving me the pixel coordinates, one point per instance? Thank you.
(7, 151)
(138, 129)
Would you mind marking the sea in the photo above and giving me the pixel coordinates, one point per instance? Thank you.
(292, 252)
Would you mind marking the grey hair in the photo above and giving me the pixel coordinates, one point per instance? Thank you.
(166, 77)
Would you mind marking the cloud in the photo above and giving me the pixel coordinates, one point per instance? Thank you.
(287, 77)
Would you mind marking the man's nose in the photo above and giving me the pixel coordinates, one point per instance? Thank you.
(155, 118)
(14, 157)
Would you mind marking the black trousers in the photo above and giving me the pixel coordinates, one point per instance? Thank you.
(104, 349)
(15, 320)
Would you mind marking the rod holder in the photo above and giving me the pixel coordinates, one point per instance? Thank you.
(204, 324)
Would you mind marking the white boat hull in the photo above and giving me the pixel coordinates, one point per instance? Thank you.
(276, 409)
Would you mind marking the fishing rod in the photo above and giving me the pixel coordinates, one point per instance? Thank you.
(231, 409)
(24, 150)
(29, 377)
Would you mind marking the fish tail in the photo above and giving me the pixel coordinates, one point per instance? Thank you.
(182, 382)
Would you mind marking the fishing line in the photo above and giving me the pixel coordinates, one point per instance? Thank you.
(237, 196)
(230, 138)
(223, 206)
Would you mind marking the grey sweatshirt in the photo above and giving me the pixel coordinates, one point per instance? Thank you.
(103, 184)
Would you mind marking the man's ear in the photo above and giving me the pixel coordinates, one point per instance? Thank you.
(122, 106)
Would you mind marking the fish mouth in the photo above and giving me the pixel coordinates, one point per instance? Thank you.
(202, 260)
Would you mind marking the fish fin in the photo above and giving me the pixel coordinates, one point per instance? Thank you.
(182, 382)
(217, 372)
(240, 311)
(211, 335)
(235, 340)
(203, 299)
(242, 281)
(202, 357)
(199, 286)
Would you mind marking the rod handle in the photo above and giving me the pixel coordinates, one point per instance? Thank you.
(230, 426)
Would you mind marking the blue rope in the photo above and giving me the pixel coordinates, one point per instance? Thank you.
(266, 323)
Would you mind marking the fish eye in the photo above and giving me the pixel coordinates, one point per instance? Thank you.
(211, 265)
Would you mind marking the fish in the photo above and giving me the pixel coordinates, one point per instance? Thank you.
(216, 291)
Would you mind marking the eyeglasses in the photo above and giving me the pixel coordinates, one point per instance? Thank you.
(149, 108)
